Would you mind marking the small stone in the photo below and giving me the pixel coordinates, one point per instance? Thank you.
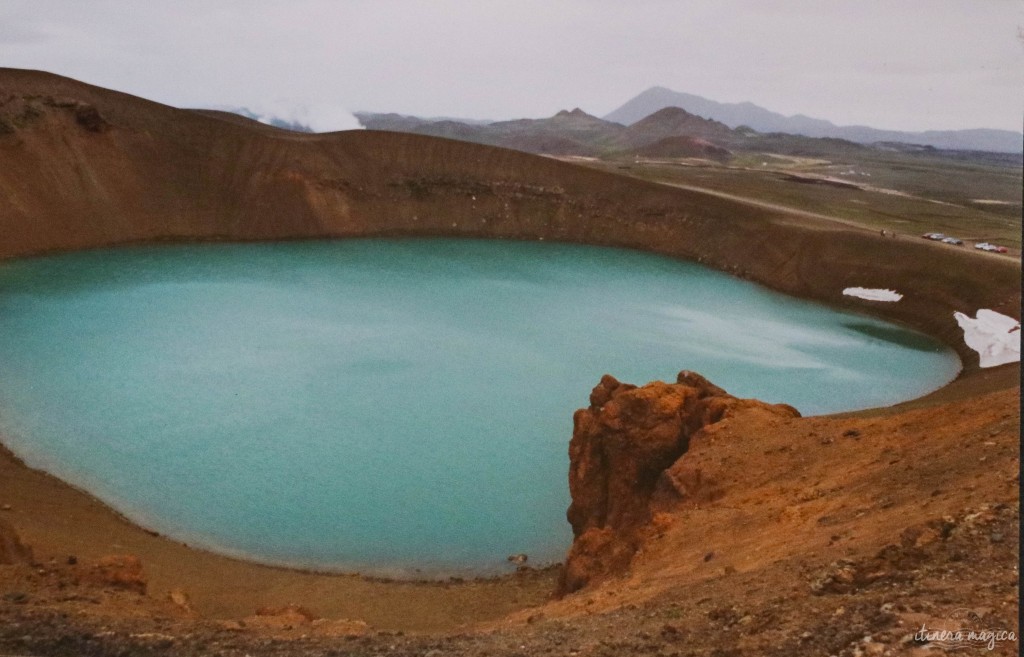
(996, 537)
(851, 433)
(72, 560)
(181, 600)
(5, 507)
(709, 556)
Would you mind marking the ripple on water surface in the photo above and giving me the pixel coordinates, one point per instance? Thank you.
(387, 405)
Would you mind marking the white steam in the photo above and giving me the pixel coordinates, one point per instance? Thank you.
(321, 117)
(318, 117)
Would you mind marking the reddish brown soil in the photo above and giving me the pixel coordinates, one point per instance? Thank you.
(832, 535)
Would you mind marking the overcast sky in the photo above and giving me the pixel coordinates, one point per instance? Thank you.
(901, 64)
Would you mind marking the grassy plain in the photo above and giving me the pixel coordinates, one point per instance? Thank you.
(970, 196)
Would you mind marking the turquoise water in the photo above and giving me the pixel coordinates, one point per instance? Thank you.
(390, 406)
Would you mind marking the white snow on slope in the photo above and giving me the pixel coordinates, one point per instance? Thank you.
(995, 337)
(872, 294)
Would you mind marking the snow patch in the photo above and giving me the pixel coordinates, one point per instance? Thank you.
(872, 294)
(995, 337)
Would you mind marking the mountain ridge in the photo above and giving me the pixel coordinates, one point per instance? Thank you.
(763, 120)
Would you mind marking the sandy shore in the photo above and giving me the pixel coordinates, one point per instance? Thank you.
(59, 521)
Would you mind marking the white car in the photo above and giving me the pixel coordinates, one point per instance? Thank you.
(986, 246)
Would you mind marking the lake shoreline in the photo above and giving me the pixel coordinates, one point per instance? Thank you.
(160, 174)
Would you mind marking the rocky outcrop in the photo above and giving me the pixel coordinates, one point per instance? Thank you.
(12, 550)
(624, 459)
(117, 571)
(90, 118)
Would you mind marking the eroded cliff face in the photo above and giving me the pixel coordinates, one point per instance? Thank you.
(627, 463)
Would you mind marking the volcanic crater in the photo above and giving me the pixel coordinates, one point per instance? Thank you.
(768, 529)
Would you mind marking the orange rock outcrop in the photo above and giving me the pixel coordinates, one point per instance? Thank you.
(626, 462)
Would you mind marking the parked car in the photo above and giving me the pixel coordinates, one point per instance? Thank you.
(934, 236)
(985, 246)
(952, 240)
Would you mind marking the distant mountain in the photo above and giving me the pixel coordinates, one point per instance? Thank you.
(566, 133)
(667, 132)
(574, 132)
(677, 122)
(748, 114)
